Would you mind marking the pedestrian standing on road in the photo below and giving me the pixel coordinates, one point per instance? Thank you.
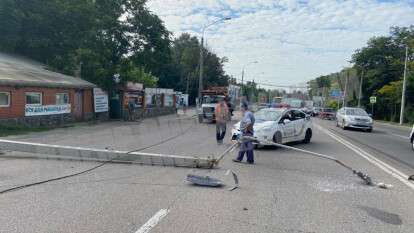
(246, 128)
(131, 110)
(222, 116)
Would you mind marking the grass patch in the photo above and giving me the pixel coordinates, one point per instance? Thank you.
(18, 130)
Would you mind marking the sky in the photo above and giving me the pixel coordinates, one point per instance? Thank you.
(293, 41)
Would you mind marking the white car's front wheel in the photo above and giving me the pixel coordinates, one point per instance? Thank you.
(308, 136)
(412, 143)
(277, 137)
(343, 125)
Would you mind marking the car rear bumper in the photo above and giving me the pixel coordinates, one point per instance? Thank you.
(209, 116)
(327, 116)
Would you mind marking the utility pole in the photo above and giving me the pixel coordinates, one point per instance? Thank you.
(404, 87)
(241, 90)
(242, 79)
(188, 83)
(346, 87)
(200, 78)
(360, 89)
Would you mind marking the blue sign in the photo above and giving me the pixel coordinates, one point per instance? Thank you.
(336, 93)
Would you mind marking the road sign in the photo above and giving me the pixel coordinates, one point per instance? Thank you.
(373, 99)
(336, 94)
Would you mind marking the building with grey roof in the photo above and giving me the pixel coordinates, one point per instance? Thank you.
(32, 94)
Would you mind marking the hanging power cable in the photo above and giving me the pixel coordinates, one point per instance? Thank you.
(95, 167)
(367, 179)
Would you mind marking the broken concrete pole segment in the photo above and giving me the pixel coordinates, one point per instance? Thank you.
(367, 179)
(204, 180)
(39, 150)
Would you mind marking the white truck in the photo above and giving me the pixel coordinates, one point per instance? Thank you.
(214, 95)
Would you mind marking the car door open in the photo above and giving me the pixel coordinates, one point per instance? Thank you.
(287, 125)
(299, 122)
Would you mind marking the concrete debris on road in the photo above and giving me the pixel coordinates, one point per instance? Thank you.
(206, 180)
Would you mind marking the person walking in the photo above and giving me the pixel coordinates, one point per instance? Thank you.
(131, 110)
(222, 115)
(246, 128)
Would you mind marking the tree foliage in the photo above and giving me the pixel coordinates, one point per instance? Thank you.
(381, 65)
(99, 38)
(185, 55)
(84, 35)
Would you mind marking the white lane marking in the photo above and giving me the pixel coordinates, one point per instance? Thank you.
(397, 135)
(377, 162)
(152, 222)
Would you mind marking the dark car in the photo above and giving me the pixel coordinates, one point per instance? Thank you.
(327, 114)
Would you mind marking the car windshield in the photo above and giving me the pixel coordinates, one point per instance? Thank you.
(268, 115)
(328, 110)
(356, 112)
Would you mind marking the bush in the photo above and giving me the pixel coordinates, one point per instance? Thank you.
(333, 104)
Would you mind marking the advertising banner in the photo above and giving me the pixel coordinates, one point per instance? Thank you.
(39, 110)
(100, 98)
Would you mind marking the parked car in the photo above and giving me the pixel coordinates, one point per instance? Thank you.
(280, 125)
(316, 111)
(412, 138)
(308, 111)
(327, 113)
(263, 105)
(354, 118)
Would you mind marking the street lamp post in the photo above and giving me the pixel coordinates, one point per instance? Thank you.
(344, 103)
(242, 79)
(404, 87)
(200, 78)
(360, 89)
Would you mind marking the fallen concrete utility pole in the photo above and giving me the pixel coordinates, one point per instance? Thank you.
(39, 150)
(367, 179)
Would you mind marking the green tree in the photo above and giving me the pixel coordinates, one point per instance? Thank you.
(382, 60)
(381, 64)
(185, 53)
(98, 39)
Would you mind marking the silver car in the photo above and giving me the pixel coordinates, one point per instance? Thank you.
(356, 118)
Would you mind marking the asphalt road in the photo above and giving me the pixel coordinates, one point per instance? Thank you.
(388, 142)
(285, 191)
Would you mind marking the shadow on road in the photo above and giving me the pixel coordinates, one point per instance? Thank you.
(381, 215)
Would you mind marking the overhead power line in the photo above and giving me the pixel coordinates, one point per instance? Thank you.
(277, 85)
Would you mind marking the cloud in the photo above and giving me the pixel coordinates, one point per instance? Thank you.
(293, 40)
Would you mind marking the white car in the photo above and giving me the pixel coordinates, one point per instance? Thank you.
(412, 138)
(356, 118)
(280, 125)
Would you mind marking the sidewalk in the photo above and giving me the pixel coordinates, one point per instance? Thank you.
(393, 124)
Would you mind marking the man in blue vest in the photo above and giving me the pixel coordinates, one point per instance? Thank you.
(246, 128)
